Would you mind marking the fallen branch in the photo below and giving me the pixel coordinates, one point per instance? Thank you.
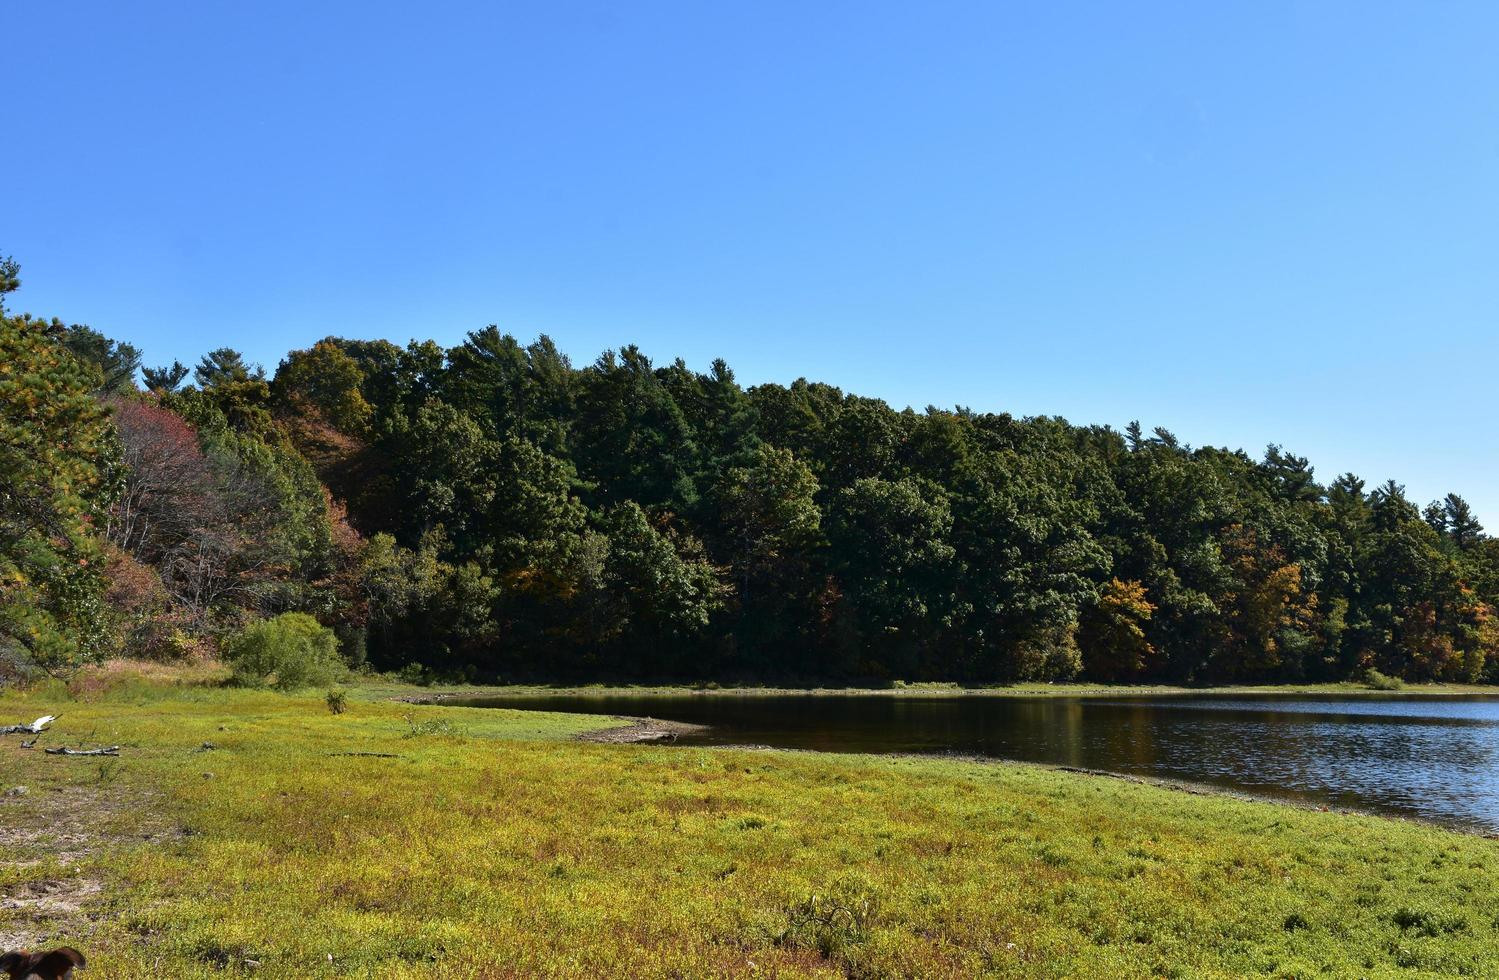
(64, 750)
(35, 728)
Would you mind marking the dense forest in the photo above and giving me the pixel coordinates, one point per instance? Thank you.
(491, 511)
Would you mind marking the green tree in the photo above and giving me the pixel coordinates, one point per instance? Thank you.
(117, 363)
(448, 470)
(327, 380)
(1024, 518)
(890, 539)
(1290, 477)
(1462, 527)
(509, 389)
(10, 279)
(796, 417)
(861, 441)
(667, 588)
(533, 508)
(58, 475)
(224, 365)
(631, 440)
(1388, 507)
(769, 513)
(163, 380)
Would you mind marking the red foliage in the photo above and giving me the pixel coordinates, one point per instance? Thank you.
(174, 514)
(168, 486)
(346, 581)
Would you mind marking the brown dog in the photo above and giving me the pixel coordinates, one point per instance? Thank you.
(56, 965)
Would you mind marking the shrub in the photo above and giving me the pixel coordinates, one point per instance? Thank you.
(432, 726)
(338, 702)
(1382, 682)
(291, 651)
(414, 674)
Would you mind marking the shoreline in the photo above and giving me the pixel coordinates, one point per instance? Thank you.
(641, 730)
(1340, 690)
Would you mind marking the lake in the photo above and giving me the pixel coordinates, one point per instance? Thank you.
(1431, 758)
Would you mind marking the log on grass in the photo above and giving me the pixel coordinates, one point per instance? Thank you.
(35, 728)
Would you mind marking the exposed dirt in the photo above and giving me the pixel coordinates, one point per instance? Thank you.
(52, 897)
(641, 730)
(48, 840)
(436, 698)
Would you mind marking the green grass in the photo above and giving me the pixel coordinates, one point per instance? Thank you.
(490, 844)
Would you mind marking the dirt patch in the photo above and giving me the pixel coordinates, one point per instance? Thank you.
(641, 730)
(436, 698)
(33, 845)
(48, 839)
(53, 897)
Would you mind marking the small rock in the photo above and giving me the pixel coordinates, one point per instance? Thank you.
(17, 791)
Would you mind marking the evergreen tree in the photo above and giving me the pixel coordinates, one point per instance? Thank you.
(116, 363)
(225, 365)
(58, 474)
(1462, 527)
(164, 380)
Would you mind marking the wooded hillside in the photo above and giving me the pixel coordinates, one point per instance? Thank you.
(493, 511)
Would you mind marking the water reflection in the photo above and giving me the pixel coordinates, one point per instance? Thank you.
(1434, 759)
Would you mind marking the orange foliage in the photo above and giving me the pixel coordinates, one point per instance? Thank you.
(1112, 633)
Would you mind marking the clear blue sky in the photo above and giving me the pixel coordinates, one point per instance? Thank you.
(1248, 222)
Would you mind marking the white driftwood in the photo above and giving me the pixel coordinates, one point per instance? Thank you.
(35, 728)
(64, 750)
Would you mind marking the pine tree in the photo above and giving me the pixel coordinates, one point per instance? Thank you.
(58, 473)
(1462, 527)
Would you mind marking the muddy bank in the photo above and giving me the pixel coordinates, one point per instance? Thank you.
(641, 730)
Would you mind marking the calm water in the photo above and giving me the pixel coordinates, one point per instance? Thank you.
(1437, 759)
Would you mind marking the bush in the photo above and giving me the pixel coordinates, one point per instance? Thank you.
(432, 726)
(338, 702)
(1049, 655)
(1374, 680)
(414, 674)
(288, 652)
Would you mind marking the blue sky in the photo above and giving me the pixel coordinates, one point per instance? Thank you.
(1248, 222)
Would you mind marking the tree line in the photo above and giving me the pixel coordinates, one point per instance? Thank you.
(492, 511)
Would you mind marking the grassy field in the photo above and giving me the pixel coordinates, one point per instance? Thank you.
(256, 833)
